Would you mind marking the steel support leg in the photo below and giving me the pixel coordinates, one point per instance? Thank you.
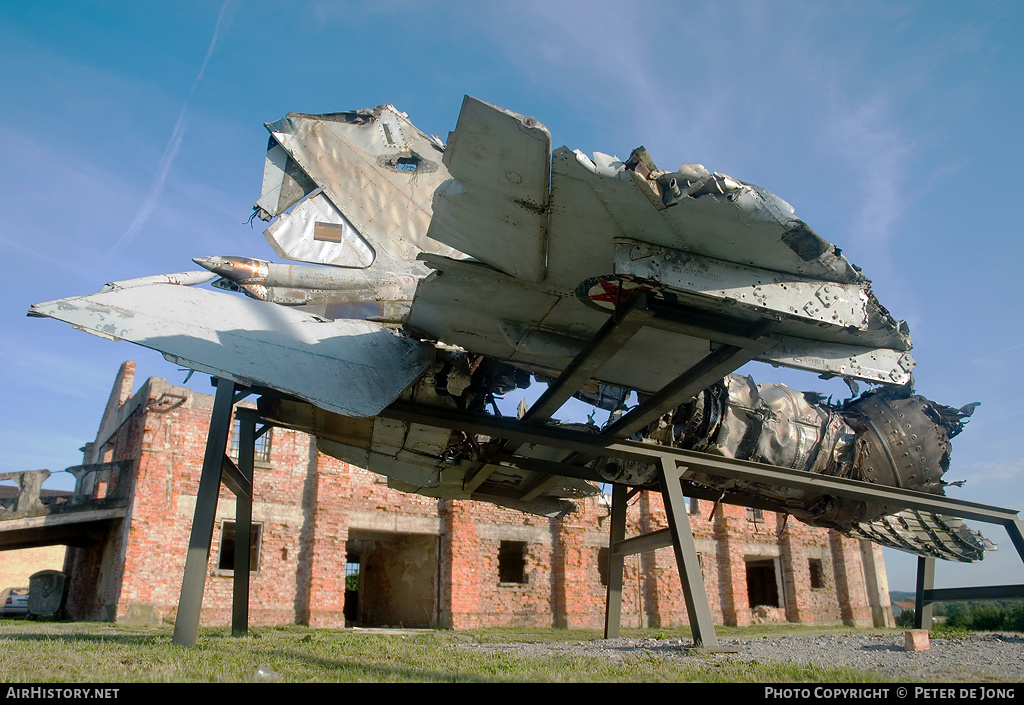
(617, 532)
(1016, 531)
(186, 623)
(243, 528)
(925, 581)
(694, 592)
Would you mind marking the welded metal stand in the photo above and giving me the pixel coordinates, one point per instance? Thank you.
(240, 481)
(616, 562)
(679, 535)
(581, 445)
(190, 603)
(674, 466)
(927, 594)
(243, 525)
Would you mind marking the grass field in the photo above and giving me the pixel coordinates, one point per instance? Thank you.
(106, 653)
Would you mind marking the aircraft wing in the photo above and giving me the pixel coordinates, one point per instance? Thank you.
(350, 367)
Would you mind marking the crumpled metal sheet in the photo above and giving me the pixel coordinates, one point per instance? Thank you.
(926, 534)
(889, 437)
(362, 169)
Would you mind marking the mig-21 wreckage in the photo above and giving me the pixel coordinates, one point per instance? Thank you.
(436, 276)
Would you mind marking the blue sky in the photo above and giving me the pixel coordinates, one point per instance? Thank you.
(134, 141)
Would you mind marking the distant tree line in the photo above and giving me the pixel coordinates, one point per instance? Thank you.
(981, 616)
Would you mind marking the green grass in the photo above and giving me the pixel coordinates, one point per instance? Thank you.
(101, 652)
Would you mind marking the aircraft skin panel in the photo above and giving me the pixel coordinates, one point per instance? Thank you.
(382, 181)
(542, 330)
(580, 233)
(495, 209)
(351, 367)
(745, 225)
(316, 232)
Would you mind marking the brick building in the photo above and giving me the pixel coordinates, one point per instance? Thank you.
(415, 561)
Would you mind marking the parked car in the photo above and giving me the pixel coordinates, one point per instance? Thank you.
(14, 601)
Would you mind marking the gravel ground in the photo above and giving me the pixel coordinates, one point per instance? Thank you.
(973, 658)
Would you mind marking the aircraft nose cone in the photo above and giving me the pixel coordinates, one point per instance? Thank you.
(235, 268)
(215, 264)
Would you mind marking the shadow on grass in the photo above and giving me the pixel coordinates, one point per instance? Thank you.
(220, 656)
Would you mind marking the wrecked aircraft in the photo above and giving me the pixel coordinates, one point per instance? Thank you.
(446, 274)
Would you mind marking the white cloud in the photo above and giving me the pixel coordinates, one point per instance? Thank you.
(866, 136)
(996, 472)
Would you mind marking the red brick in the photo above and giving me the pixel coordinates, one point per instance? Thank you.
(310, 505)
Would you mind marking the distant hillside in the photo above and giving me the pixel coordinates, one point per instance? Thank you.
(901, 596)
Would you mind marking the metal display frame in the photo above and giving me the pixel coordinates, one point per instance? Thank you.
(674, 466)
(733, 341)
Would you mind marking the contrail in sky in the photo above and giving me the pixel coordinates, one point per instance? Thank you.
(155, 191)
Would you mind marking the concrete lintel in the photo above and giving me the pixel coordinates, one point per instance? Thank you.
(393, 523)
(63, 519)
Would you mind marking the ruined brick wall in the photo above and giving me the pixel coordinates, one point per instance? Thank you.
(479, 596)
(429, 562)
(95, 571)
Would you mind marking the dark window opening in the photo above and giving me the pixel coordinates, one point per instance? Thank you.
(817, 568)
(226, 557)
(512, 562)
(261, 447)
(351, 607)
(755, 515)
(762, 588)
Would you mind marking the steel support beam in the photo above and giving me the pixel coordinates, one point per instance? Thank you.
(243, 526)
(710, 369)
(622, 325)
(232, 478)
(927, 593)
(925, 583)
(190, 603)
(962, 594)
(679, 535)
(616, 562)
(624, 322)
(687, 561)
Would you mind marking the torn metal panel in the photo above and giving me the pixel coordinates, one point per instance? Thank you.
(732, 221)
(879, 365)
(499, 161)
(926, 534)
(382, 185)
(351, 367)
(806, 300)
